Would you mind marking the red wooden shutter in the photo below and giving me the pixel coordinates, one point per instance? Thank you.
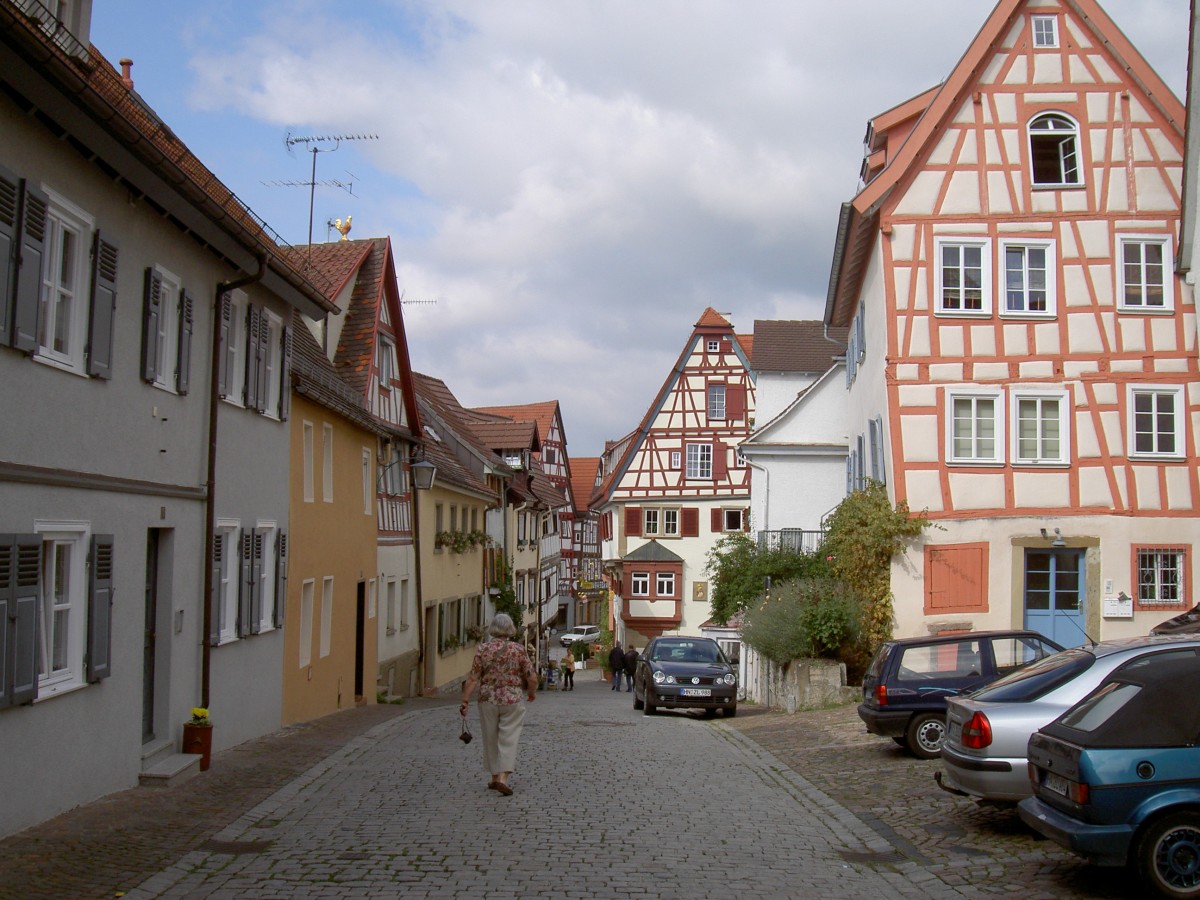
(735, 402)
(720, 467)
(689, 521)
(746, 519)
(716, 523)
(726, 345)
(633, 521)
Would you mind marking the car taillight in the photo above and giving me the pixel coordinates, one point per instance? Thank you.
(1078, 791)
(977, 733)
(881, 694)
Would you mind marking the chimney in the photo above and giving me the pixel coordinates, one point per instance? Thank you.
(126, 65)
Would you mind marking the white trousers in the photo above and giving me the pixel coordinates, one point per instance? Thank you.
(500, 729)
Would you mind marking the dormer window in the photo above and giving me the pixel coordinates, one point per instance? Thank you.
(516, 459)
(387, 361)
(1054, 151)
(1045, 31)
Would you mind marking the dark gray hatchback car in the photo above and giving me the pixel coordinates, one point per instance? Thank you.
(906, 686)
(685, 673)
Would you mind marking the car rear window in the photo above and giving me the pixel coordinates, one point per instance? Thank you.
(955, 658)
(1037, 679)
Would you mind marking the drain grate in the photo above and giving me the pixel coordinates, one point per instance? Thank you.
(236, 847)
(872, 858)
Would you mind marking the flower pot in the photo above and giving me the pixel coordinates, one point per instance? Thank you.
(198, 739)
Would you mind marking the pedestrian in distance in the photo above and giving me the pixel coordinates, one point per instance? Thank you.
(502, 670)
(616, 664)
(631, 658)
(568, 670)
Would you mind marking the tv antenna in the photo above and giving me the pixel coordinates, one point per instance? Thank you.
(319, 143)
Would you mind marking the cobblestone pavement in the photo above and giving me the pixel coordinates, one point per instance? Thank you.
(385, 802)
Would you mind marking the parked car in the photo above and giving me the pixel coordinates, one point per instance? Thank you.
(988, 731)
(906, 686)
(1116, 778)
(1184, 623)
(684, 672)
(588, 634)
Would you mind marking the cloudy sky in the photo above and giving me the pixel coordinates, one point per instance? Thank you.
(571, 181)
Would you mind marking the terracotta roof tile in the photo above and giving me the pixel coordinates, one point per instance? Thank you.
(795, 346)
(583, 479)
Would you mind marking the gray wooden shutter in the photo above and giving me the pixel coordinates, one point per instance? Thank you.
(216, 608)
(225, 325)
(285, 386)
(104, 307)
(20, 590)
(151, 312)
(262, 360)
(281, 561)
(183, 371)
(246, 587)
(10, 195)
(31, 250)
(254, 324)
(100, 603)
(256, 579)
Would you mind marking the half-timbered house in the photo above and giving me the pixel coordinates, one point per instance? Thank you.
(678, 486)
(1018, 337)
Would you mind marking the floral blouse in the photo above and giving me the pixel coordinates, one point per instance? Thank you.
(503, 669)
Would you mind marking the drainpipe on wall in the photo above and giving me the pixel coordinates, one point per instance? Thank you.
(210, 509)
(766, 492)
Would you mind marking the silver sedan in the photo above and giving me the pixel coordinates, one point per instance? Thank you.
(983, 755)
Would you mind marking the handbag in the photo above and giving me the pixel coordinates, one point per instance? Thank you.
(465, 735)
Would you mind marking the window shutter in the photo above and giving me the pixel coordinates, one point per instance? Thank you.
(735, 402)
(225, 326)
(281, 559)
(10, 194)
(100, 601)
(216, 607)
(186, 313)
(285, 387)
(877, 468)
(689, 522)
(254, 325)
(715, 520)
(633, 521)
(20, 588)
(256, 580)
(29, 272)
(151, 311)
(746, 519)
(104, 308)
(726, 345)
(246, 586)
(719, 465)
(262, 361)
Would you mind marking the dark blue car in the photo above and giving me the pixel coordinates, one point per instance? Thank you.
(1116, 779)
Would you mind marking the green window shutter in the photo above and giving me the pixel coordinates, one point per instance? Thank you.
(31, 251)
(104, 307)
(183, 371)
(10, 194)
(151, 311)
(100, 603)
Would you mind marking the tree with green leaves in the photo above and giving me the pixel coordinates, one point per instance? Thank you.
(738, 570)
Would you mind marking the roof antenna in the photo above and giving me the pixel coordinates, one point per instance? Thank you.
(319, 143)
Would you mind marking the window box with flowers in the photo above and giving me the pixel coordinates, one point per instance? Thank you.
(197, 736)
(460, 541)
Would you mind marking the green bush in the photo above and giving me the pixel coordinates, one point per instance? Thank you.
(739, 570)
(809, 617)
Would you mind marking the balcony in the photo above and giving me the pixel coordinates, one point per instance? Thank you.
(800, 540)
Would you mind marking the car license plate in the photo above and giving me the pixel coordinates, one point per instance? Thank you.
(1055, 783)
(696, 692)
(954, 731)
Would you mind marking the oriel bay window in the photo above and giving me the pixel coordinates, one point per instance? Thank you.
(639, 584)
(664, 584)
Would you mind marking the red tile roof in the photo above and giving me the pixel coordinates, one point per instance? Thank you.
(796, 346)
(583, 479)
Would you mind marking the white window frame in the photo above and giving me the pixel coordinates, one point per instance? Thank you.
(1023, 396)
(726, 511)
(699, 461)
(1045, 32)
(235, 385)
(1150, 561)
(307, 588)
(670, 521)
(326, 615)
(639, 584)
(266, 619)
(306, 429)
(998, 419)
(650, 521)
(1060, 136)
(676, 459)
(274, 372)
(715, 402)
(712, 346)
(75, 537)
(167, 340)
(1168, 273)
(664, 584)
(229, 532)
(389, 607)
(963, 243)
(326, 462)
(64, 217)
(402, 603)
(1179, 416)
(1051, 270)
(387, 361)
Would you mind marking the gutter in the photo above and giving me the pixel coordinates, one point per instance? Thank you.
(210, 509)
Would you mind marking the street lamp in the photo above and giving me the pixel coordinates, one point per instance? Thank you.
(423, 473)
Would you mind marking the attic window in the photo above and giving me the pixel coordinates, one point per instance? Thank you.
(1054, 151)
(1045, 31)
(516, 460)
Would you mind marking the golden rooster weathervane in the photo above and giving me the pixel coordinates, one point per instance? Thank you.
(343, 230)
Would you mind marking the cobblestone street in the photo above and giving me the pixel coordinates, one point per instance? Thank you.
(386, 802)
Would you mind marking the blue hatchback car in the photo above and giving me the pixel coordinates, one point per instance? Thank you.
(1116, 778)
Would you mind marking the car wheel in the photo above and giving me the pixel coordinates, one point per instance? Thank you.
(648, 707)
(730, 711)
(925, 734)
(901, 740)
(1168, 855)
(637, 704)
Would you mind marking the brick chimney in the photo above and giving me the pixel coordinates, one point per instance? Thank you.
(126, 79)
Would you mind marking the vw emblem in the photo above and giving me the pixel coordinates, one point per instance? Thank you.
(695, 680)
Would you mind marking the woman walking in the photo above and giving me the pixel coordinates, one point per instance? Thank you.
(502, 671)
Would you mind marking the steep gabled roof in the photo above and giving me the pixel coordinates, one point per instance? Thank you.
(314, 376)
(583, 480)
(542, 413)
(795, 346)
(436, 397)
(858, 221)
(505, 434)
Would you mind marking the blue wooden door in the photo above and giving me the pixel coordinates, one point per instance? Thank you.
(1054, 591)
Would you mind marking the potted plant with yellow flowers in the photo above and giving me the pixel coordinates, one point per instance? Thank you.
(197, 736)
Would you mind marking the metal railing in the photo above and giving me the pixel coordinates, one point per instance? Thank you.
(800, 540)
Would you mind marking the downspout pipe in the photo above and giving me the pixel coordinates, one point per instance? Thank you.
(210, 502)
